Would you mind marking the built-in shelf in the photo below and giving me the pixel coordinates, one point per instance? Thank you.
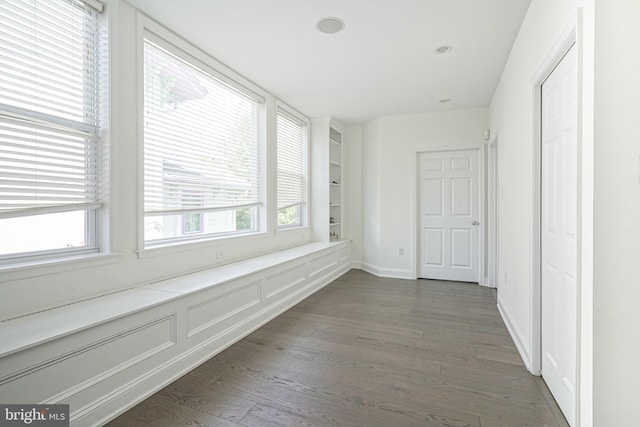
(327, 179)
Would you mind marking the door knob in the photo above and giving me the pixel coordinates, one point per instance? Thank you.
(475, 223)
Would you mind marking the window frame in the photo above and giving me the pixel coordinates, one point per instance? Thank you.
(304, 208)
(149, 29)
(97, 215)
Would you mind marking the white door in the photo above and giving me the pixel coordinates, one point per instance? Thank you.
(559, 232)
(449, 214)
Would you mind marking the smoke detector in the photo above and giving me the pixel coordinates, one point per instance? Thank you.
(330, 25)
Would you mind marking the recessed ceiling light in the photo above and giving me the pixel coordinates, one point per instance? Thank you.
(442, 49)
(330, 25)
(445, 100)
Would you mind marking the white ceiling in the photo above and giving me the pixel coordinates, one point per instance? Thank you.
(382, 63)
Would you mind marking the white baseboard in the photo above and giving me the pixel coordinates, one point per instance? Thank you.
(517, 338)
(391, 273)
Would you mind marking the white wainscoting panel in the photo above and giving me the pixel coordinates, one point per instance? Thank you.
(220, 305)
(103, 365)
(284, 279)
(59, 377)
(343, 253)
(322, 263)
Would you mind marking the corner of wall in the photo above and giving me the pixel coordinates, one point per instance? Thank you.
(352, 164)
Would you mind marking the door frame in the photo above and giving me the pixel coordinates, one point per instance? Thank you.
(560, 49)
(482, 204)
(493, 209)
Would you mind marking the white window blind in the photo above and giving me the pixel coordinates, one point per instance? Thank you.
(201, 139)
(291, 178)
(49, 107)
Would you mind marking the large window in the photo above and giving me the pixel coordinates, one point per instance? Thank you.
(292, 171)
(49, 127)
(201, 150)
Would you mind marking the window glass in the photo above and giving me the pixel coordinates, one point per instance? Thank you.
(201, 151)
(49, 127)
(291, 169)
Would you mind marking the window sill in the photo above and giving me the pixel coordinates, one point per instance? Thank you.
(292, 229)
(30, 330)
(25, 270)
(192, 245)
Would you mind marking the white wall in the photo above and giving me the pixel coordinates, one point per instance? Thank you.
(370, 195)
(352, 211)
(35, 288)
(389, 147)
(511, 118)
(617, 213)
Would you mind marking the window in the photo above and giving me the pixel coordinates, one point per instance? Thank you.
(192, 223)
(292, 137)
(201, 150)
(49, 127)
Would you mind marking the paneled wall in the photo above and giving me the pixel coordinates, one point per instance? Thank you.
(104, 355)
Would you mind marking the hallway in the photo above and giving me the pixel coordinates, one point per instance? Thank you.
(365, 351)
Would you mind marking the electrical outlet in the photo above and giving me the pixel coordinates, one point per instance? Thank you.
(401, 251)
(219, 254)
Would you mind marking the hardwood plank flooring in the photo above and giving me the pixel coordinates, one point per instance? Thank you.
(364, 351)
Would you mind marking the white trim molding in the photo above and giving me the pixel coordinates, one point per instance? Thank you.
(570, 37)
(493, 209)
(546, 68)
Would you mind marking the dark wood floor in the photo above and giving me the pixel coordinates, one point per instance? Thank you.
(364, 351)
